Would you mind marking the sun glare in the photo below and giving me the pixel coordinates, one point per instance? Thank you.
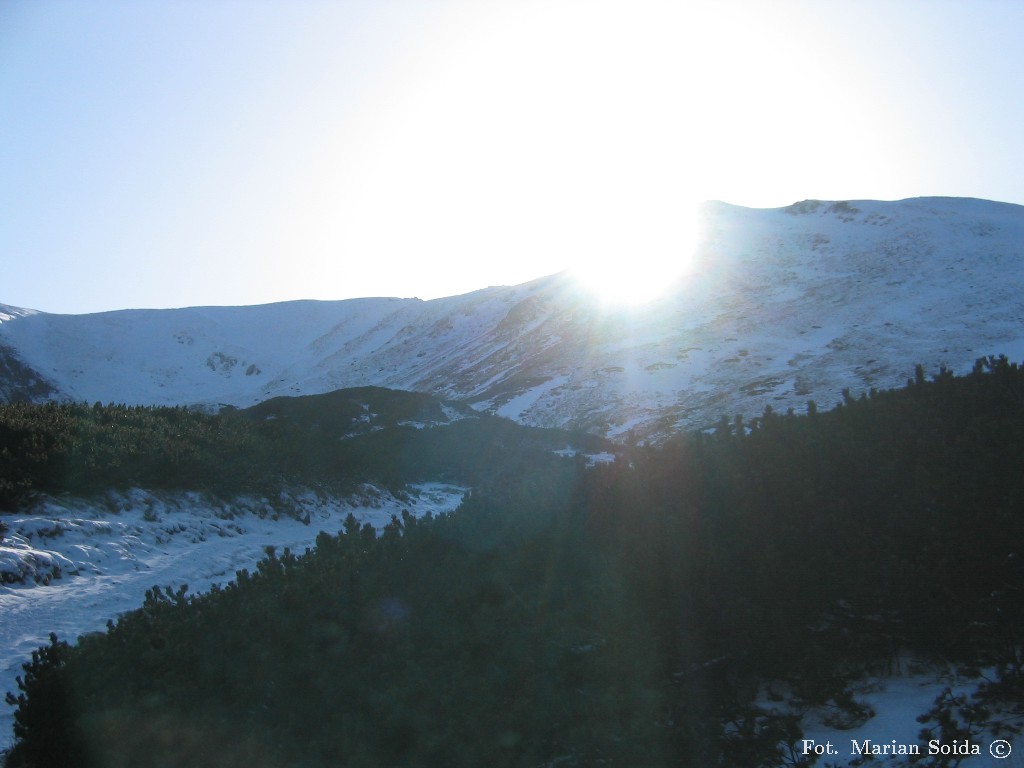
(519, 140)
(645, 267)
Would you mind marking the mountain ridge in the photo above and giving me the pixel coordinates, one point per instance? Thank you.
(783, 306)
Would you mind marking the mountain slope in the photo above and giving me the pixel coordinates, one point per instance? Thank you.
(783, 306)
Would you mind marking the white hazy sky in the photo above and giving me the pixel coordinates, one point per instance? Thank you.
(188, 152)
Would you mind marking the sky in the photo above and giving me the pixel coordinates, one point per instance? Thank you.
(221, 152)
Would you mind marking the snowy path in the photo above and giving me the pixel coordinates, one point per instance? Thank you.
(118, 556)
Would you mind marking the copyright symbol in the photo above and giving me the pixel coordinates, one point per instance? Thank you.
(1000, 749)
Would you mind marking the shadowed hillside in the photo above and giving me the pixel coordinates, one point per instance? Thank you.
(629, 614)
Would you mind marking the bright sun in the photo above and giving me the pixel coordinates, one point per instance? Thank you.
(645, 263)
(524, 139)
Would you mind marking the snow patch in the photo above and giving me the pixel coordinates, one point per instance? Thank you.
(602, 457)
(517, 406)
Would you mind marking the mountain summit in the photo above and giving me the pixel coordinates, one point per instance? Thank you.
(783, 306)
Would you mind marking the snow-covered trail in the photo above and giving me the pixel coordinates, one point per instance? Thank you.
(153, 541)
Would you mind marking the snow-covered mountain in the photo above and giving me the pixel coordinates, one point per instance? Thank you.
(784, 306)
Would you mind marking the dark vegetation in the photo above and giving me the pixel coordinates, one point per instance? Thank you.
(81, 449)
(329, 442)
(355, 411)
(628, 615)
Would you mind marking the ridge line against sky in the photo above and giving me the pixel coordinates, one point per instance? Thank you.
(229, 153)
